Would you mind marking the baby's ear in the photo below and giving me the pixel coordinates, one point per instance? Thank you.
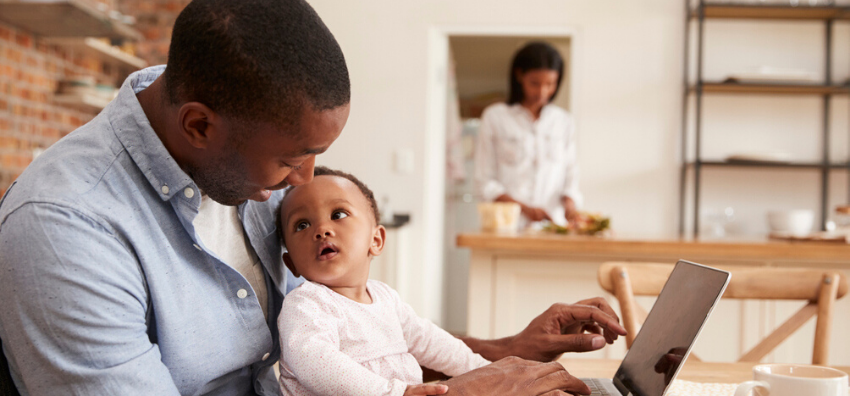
(379, 236)
(288, 261)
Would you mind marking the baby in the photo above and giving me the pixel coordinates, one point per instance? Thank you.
(342, 333)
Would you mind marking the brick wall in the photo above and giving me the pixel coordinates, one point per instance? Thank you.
(154, 19)
(30, 71)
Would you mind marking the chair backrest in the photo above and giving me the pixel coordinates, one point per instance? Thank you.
(821, 288)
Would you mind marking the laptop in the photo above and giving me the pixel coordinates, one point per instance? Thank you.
(668, 334)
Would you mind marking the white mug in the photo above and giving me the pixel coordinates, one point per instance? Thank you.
(794, 380)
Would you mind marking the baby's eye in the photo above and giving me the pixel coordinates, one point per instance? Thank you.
(339, 215)
(301, 226)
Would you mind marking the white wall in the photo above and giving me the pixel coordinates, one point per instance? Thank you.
(627, 102)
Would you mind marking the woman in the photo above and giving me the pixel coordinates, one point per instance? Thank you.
(526, 151)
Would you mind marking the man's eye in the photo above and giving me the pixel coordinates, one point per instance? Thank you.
(301, 226)
(339, 215)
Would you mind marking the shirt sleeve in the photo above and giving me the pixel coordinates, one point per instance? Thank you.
(434, 347)
(311, 361)
(571, 165)
(73, 318)
(486, 163)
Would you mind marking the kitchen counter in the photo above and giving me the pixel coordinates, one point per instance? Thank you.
(760, 250)
(513, 278)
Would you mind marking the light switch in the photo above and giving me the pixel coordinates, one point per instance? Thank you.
(403, 161)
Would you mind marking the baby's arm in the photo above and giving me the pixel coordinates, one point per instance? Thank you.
(432, 346)
(311, 362)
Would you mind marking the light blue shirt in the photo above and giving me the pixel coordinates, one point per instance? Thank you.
(106, 288)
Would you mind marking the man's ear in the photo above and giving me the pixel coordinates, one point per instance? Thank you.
(379, 235)
(288, 262)
(199, 125)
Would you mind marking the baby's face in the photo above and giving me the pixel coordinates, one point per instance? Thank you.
(330, 232)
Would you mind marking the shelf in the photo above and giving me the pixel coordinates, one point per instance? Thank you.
(773, 11)
(767, 164)
(98, 49)
(64, 18)
(84, 102)
(784, 89)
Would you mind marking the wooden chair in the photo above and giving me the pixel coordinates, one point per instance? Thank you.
(821, 288)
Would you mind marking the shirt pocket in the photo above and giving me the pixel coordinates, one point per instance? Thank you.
(554, 147)
(511, 149)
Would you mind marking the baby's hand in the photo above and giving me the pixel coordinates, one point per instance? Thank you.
(426, 389)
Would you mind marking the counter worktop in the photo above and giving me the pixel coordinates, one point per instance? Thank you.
(633, 248)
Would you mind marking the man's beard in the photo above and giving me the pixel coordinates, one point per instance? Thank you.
(223, 180)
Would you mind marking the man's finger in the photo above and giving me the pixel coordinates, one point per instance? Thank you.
(602, 304)
(578, 342)
(560, 380)
(571, 314)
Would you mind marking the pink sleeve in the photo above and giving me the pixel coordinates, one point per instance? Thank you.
(432, 346)
(311, 362)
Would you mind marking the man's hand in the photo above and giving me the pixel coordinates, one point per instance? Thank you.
(426, 390)
(517, 377)
(584, 326)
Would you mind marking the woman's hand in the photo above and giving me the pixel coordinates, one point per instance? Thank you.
(426, 390)
(534, 214)
(570, 210)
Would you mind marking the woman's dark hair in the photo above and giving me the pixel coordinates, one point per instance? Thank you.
(255, 60)
(535, 55)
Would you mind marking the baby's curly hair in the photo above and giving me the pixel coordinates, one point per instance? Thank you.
(325, 171)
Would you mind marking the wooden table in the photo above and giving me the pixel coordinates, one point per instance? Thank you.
(706, 372)
(513, 278)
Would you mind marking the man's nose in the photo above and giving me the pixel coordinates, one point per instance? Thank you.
(303, 175)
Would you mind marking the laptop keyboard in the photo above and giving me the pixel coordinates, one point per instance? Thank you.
(596, 388)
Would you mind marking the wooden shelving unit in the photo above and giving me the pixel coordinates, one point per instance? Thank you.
(64, 18)
(84, 102)
(100, 50)
(768, 164)
(78, 26)
(772, 12)
(826, 89)
(770, 89)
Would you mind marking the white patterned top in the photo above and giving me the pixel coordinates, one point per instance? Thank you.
(333, 345)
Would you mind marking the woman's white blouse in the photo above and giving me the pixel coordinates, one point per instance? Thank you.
(532, 161)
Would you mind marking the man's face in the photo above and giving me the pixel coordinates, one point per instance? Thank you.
(330, 232)
(250, 164)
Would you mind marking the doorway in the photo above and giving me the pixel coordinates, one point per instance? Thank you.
(477, 76)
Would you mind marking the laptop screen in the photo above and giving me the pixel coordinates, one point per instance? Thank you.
(670, 329)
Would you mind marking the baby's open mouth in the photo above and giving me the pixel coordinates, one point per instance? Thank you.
(327, 251)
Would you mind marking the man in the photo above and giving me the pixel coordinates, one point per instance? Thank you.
(139, 254)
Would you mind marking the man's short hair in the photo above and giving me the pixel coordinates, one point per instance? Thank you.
(325, 171)
(255, 60)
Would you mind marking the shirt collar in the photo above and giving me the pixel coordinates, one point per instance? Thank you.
(135, 133)
(519, 110)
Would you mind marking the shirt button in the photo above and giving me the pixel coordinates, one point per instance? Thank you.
(196, 246)
(242, 293)
(165, 190)
(266, 356)
(189, 192)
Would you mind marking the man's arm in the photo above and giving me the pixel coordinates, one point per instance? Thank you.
(584, 326)
(74, 302)
(560, 329)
